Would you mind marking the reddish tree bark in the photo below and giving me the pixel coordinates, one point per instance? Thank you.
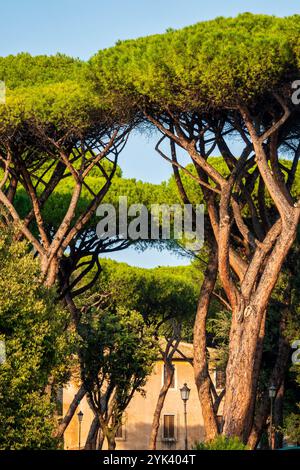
(251, 248)
(167, 356)
(70, 413)
(202, 377)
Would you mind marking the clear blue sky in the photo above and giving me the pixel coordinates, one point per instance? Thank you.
(80, 28)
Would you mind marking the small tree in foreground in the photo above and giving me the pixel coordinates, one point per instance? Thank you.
(166, 297)
(117, 354)
(32, 327)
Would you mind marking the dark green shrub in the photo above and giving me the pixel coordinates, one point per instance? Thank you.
(221, 443)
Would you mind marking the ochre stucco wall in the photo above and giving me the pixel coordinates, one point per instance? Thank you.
(139, 414)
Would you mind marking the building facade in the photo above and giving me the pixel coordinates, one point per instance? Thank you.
(135, 431)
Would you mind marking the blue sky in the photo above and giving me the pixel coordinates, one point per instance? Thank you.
(80, 28)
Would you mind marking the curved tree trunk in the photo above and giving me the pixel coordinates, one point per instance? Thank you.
(202, 378)
(100, 439)
(242, 371)
(51, 272)
(241, 378)
(160, 403)
(277, 379)
(70, 413)
(91, 440)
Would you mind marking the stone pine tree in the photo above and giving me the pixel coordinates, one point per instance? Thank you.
(59, 148)
(52, 127)
(56, 133)
(204, 87)
(167, 299)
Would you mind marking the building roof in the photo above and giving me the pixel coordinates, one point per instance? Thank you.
(186, 350)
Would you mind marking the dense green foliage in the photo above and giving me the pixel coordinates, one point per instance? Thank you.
(48, 93)
(32, 325)
(24, 70)
(159, 293)
(113, 368)
(221, 443)
(109, 351)
(210, 63)
(292, 427)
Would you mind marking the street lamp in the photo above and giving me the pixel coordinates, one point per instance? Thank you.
(185, 393)
(80, 418)
(272, 395)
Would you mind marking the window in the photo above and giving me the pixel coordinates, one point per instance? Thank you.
(173, 378)
(220, 378)
(169, 427)
(59, 401)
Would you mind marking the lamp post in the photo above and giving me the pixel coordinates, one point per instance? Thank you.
(80, 418)
(272, 394)
(185, 393)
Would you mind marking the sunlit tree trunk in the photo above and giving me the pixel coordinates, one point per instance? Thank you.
(169, 374)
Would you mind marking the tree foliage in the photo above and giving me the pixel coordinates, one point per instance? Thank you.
(113, 368)
(203, 87)
(32, 325)
(158, 294)
(210, 64)
(221, 443)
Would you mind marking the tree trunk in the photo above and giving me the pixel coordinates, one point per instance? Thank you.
(70, 413)
(263, 408)
(277, 379)
(91, 441)
(242, 370)
(160, 403)
(241, 377)
(202, 378)
(52, 273)
(277, 437)
(111, 441)
(100, 439)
